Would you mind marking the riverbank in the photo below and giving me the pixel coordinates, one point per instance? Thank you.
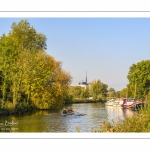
(9, 109)
(6, 112)
(85, 101)
(21, 109)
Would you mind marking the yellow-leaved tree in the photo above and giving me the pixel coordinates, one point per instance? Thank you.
(28, 75)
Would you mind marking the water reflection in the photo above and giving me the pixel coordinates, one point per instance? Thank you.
(116, 113)
(46, 121)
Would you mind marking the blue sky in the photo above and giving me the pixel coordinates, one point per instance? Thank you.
(104, 47)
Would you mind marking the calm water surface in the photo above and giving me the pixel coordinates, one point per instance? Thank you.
(46, 121)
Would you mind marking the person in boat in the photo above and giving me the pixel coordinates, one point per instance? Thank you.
(70, 110)
(64, 111)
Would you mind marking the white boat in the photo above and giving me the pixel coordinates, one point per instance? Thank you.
(109, 103)
(118, 102)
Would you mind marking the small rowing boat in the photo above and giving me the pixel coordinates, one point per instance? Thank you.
(79, 114)
(67, 111)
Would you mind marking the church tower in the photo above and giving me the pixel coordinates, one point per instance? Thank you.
(84, 84)
(86, 77)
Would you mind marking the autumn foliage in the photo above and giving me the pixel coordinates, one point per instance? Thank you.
(28, 75)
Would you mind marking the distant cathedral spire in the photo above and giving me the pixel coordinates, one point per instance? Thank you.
(86, 77)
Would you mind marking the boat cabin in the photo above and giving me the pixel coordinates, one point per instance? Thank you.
(128, 100)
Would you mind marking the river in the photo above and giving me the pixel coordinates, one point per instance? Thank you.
(46, 121)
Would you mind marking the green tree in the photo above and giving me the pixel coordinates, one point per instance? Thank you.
(98, 89)
(27, 73)
(124, 92)
(85, 93)
(16, 49)
(118, 94)
(75, 91)
(112, 92)
(139, 78)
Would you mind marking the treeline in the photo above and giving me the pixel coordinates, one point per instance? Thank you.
(95, 91)
(29, 77)
(138, 87)
(139, 81)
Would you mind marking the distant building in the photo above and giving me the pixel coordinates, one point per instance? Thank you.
(84, 84)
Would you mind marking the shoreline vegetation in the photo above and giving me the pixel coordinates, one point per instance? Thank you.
(30, 79)
(89, 101)
(77, 100)
(24, 109)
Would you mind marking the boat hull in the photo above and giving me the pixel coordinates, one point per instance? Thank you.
(136, 104)
(117, 105)
(66, 114)
(109, 103)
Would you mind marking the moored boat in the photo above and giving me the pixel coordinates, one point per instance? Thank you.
(131, 103)
(118, 102)
(109, 103)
